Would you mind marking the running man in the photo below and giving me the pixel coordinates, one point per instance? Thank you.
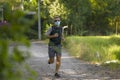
(55, 36)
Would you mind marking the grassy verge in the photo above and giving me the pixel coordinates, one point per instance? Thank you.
(95, 49)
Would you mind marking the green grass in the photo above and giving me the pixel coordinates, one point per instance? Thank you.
(94, 48)
(112, 66)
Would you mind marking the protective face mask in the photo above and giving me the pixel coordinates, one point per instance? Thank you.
(57, 23)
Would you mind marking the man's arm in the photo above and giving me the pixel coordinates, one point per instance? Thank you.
(63, 39)
(51, 36)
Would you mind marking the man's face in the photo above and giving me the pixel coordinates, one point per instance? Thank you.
(57, 22)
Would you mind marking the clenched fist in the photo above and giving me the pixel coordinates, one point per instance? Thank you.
(56, 35)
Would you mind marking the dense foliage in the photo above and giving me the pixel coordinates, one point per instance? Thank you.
(12, 34)
(83, 17)
(93, 17)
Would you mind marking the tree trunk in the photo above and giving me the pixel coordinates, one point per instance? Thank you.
(116, 25)
(21, 5)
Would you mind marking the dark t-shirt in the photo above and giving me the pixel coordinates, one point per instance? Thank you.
(57, 40)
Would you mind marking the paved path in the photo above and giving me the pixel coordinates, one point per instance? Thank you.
(71, 68)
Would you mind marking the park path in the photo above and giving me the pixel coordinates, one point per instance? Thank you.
(71, 68)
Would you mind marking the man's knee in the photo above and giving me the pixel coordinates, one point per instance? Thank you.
(58, 59)
(51, 60)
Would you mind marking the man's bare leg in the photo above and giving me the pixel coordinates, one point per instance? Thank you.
(58, 63)
(51, 61)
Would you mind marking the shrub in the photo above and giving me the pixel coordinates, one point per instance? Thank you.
(11, 63)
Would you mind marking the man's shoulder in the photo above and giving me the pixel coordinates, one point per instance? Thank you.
(50, 28)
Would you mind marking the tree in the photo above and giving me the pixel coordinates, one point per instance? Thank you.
(50, 8)
(79, 10)
(92, 16)
(114, 14)
(13, 31)
(30, 5)
(98, 22)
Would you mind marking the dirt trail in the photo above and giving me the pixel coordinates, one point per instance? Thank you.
(71, 68)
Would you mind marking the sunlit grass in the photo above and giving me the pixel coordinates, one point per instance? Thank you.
(112, 66)
(94, 48)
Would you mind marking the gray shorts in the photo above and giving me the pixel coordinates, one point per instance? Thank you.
(54, 51)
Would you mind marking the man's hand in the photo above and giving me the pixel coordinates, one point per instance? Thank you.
(56, 35)
(53, 36)
(63, 39)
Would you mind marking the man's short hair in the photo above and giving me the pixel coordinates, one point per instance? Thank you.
(56, 17)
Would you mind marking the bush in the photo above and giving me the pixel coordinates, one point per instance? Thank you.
(11, 63)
